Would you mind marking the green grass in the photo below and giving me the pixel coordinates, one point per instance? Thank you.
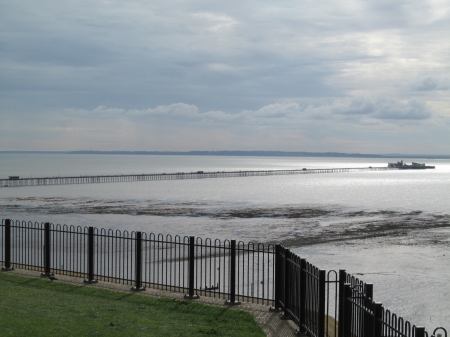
(35, 307)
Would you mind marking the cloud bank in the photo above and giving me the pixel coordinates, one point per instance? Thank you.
(346, 76)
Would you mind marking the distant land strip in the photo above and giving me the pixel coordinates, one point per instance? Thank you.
(240, 153)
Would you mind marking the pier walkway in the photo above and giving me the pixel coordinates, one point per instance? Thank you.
(15, 181)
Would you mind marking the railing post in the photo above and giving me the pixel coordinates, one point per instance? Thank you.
(367, 305)
(90, 260)
(302, 304)
(191, 295)
(232, 292)
(341, 313)
(347, 321)
(378, 319)
(278, 277)
(321, 313)
(138, 263)
(47, 250)
(420, 331)
(287, 283)
(7, 244)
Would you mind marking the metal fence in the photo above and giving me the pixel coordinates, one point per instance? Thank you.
(333, 304)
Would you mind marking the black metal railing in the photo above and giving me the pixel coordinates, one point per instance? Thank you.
(370, 318)
(333, 304)
(306, 294)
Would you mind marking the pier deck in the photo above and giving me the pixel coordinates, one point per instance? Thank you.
(20, 182)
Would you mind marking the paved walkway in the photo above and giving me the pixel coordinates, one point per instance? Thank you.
(269, 321)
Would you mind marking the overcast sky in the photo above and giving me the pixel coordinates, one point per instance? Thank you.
(345, 76)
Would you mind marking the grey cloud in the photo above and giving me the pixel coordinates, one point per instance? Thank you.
(392, 109)
(228, 65)
(382, 108)
(354, 106)
(60, 51)
(103, 112)
(175, 110)
(429, 83)
(277, 110)
(362, 107)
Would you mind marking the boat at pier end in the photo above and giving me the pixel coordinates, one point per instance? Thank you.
(414, 166)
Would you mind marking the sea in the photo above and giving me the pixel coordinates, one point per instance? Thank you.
(390, 228)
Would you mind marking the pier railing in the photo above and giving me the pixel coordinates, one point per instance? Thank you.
(16, 181)
(332, 304)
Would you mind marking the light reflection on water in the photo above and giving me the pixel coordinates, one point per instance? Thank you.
(413, 190)
(409, 280)
(421, 269)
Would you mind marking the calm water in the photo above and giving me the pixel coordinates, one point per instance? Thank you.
(203, 208)
(424, 190)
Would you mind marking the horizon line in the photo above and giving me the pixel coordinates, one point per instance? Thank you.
(267, 153)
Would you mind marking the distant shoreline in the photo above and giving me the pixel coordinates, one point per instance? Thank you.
(238, 153)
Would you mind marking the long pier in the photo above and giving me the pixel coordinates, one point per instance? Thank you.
(15, 181)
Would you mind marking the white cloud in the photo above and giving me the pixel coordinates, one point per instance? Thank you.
(215, 23)
(393, 109)
(277, 110)
(381, 108)
(358, 108)
(107, 112)
(176, 110)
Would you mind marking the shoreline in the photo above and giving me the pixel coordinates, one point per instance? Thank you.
(399, 252)
(289, 225)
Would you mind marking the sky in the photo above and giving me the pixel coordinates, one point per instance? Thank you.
(316, 76)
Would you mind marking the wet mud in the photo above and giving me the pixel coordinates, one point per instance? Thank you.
(289, 225)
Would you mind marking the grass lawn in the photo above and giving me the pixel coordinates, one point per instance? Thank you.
(35, 307)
